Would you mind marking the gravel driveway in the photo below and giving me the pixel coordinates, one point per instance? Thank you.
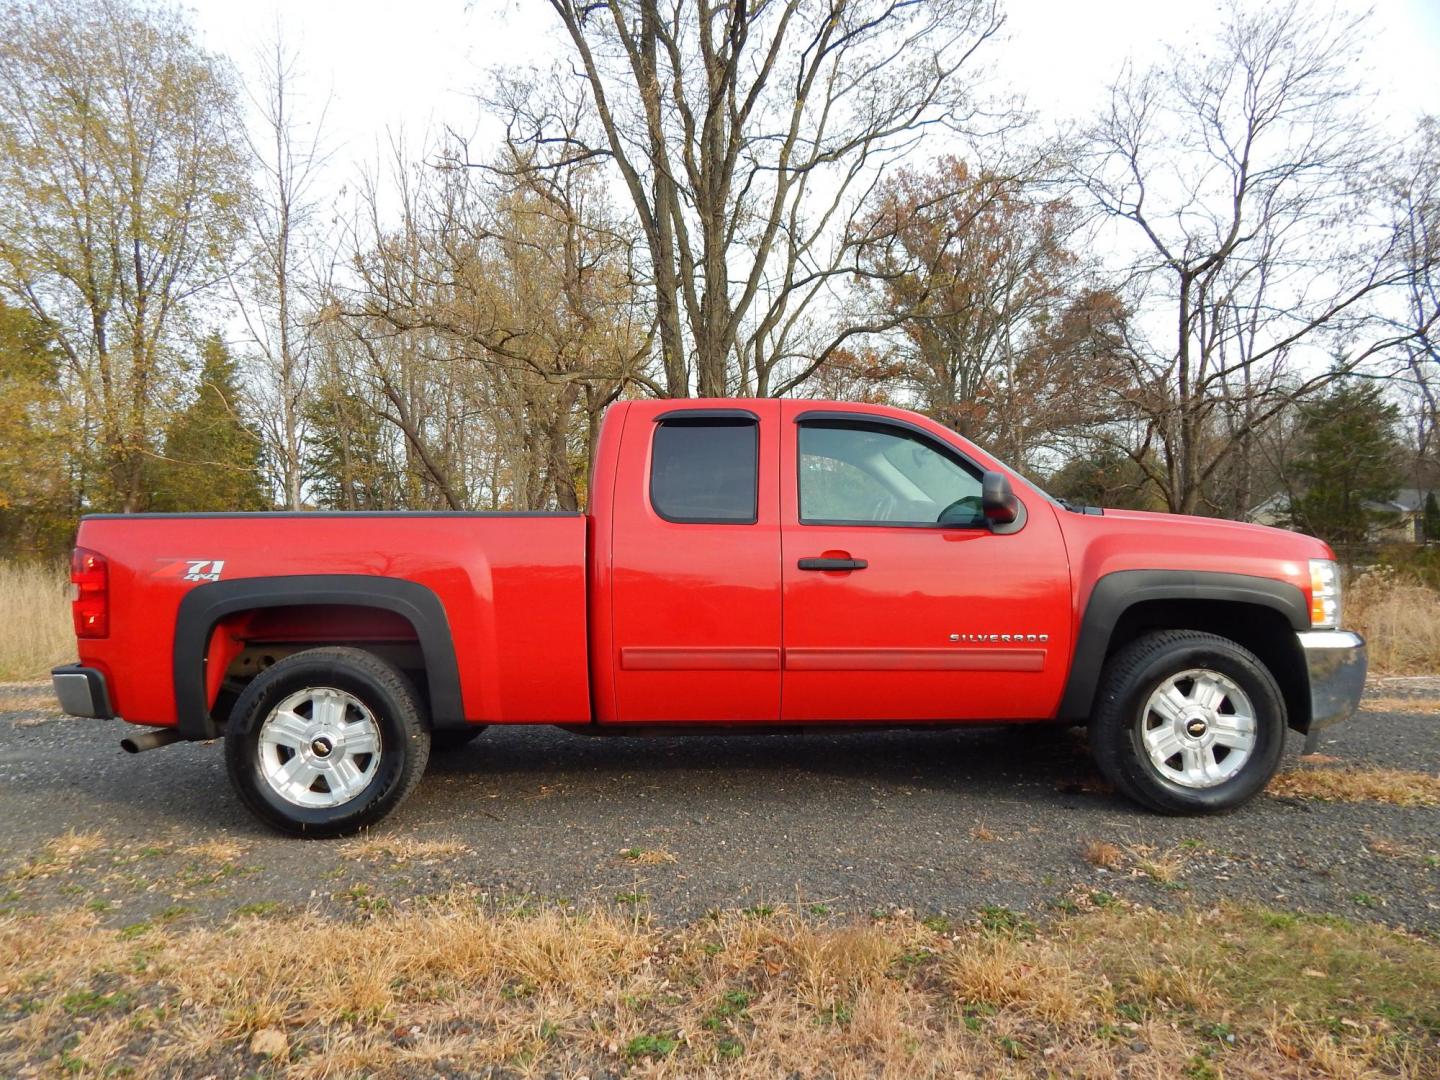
(940, 822)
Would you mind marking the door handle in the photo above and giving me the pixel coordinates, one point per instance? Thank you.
(832, 564)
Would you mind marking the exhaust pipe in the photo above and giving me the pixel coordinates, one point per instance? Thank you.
(150, 740)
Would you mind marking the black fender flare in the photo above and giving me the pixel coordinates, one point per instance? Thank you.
(1117, 592)
(205, 605)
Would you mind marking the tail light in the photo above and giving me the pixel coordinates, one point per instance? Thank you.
(90, 593)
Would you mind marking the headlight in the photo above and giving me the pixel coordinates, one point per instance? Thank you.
(1324, 594)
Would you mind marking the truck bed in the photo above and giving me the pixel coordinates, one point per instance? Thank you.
(512, 587)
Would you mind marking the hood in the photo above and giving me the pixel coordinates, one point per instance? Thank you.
(1218, 526)
(1142, 540)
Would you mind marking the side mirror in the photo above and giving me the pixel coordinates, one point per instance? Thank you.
(997, 500)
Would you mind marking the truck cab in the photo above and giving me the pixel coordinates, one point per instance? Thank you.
(804, 563)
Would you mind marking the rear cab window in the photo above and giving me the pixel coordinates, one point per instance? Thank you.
(706, 470)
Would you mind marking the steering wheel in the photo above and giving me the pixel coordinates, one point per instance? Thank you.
(970, 504)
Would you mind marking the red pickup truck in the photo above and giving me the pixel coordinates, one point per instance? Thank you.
(745, 565)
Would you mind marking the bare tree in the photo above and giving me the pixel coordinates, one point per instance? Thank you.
(121, 184)
(744, 135)
(513, 304)
(979, 265)
(1417, 200)
(271, 296)
(1246, 175)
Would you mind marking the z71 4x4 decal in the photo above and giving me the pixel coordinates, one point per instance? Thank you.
(192, 569)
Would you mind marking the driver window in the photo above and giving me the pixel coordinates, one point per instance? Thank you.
(856, 473)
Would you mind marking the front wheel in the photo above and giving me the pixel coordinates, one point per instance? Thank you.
(1187, 723)
(326, 742)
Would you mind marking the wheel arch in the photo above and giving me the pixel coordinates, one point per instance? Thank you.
(206, 606)
(1261, 614)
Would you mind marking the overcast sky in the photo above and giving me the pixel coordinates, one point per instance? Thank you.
(415, 65)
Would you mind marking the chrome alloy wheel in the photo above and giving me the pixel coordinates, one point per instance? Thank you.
(319, 747)
(1198, 728)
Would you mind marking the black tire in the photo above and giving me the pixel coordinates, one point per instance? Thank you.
(446, 740)
(1117, 720)
(396, 711)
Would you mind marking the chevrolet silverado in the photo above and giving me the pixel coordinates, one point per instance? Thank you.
(745, 565)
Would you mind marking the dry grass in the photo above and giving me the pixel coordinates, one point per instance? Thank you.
(453, 988)
(1390, 848)
(1103, 854)
(401, 848)
(1032, 978)
(35, 628)
(62, 853)
(218, 850)
(1400, 620)
(647, 856)
(1397, 787)
(1161, 867)
(27, 698)
(1424, 706)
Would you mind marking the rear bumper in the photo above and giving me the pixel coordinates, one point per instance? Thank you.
(1336, 662)
(82, 692)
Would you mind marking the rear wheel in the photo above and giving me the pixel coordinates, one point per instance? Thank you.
(326, 742)
(1186, 722)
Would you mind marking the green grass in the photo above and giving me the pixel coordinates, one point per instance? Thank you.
(1004, 921)
(650, 1046)
(730, 1007)
(259, 909)
(90, 1002)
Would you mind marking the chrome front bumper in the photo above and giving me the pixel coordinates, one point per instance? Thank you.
(1336, 663)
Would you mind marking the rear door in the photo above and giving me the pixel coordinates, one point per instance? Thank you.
(696, 558)
(900, 602)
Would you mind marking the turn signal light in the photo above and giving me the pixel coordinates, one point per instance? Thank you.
(1324, 594)
(90, 593)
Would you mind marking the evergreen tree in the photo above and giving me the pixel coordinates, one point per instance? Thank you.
(1348, 456)
(348, 464)
(212, 458)
(1432, 519)
(1105, 478)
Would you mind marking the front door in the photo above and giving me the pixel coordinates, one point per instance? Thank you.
(900, 602)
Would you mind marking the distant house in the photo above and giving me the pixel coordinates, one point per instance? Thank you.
(1273, 511)
(1400, 520)
(1408, 510)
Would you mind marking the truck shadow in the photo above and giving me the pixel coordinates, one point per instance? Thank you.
(75, 773)
(979, 760)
